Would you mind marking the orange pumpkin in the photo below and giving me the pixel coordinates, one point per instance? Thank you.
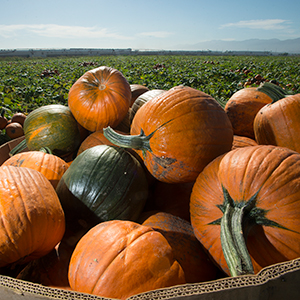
(100, 97)
(51, 166)
(18, 118)
(188, 251)
(278, 123)
(242, 141)
(94, 139)
(243, 105)
(118, 259)
(33, 221)
(177, 133)
(14, 130)
(245, 208)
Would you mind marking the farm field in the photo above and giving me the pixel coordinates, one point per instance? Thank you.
(27, 83)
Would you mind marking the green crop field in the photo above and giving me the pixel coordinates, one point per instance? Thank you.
(26, 84)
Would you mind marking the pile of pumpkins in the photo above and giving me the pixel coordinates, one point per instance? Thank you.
(127, 190)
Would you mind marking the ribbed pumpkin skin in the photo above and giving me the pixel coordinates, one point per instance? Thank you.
(52, 126)
(51, 166)
(242, 141)
(33, 221)
(273, 173)
(279, 123)
(117, 259)
(242, 107)
(187, 250)
(191, 129)
(136, 91)
(99, 98)
(142, 99)
(101, 184)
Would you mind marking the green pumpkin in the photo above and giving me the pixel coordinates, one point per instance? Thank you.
(54, 127)
(103, 183)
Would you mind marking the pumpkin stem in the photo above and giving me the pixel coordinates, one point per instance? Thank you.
(46, 150)
(274, 91)
(137, 142)
(232, 235)
(17, 149)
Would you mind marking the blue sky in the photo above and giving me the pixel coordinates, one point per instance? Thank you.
(140, 24)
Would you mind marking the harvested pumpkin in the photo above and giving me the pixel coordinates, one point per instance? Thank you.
(242, 141)
(177, 134)
(18, 118)
(188, 251)
(100, 97)
(50, 165)
(245, 208)
(278, 123)
(51, 126)
(136, 91)
(33, 221)
(102, 183)
(96, 138)
(243, 105)
(117, 259)
(14, 130)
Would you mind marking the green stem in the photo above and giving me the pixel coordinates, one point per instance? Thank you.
(233, 242)
(21, 146)
(138, 142)
(274, 91)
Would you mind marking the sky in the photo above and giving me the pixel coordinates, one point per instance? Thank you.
(139, 24)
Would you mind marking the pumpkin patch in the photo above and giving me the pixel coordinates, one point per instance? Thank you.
(129, 189)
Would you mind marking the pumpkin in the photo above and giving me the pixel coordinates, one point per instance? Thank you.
(188, 251)
(100, 97)
(242, 141)
(245, 208)
(14, 130)
(177, 134)
(278, 123)
(102, 183)
(3, 120)
(18, 118)
(136, 91)
(50, 165)
(94, 139)
(142, 99)
(51, 126)
(117, 259)
(32, 218)
(243, 105)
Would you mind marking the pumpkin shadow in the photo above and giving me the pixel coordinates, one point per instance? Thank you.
(261, 249)
(79, 217)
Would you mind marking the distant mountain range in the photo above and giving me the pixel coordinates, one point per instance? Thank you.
(272, 45)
